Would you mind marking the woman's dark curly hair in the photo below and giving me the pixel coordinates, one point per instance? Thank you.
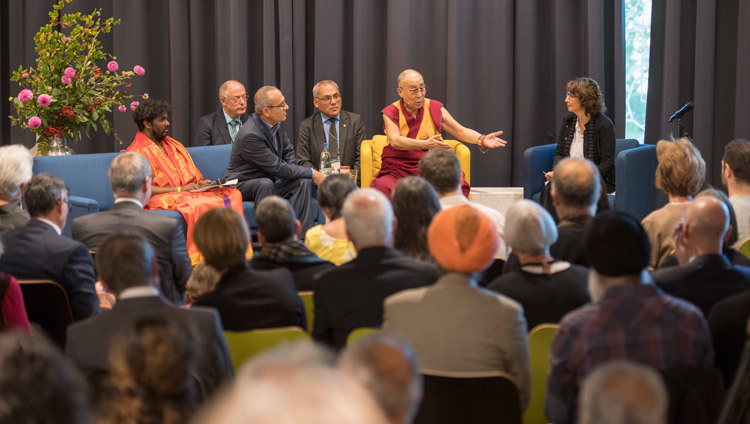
(587, 91)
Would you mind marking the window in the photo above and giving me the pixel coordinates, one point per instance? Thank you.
(637, 44)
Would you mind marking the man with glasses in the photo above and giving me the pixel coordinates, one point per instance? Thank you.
(341, 129)
(264, 162)
(413, 126)
(222, 126)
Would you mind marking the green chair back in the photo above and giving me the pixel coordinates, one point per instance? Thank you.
(745, 248)
(540, 342)
(243, 345)
(307, 300)
(358, 333)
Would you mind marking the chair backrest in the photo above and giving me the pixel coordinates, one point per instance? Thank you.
(360, 332)
(48, 306)
(371, 151)
(477, 398)
(695, 394)
(77, 172)
(745, 247)
(309, 302)
(540, 342)
(243, 345)
(634, 171)
(211, 160)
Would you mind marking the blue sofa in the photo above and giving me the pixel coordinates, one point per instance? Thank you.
(635, 165)
(86, 176)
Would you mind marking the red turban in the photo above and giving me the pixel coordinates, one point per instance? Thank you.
(462, 239)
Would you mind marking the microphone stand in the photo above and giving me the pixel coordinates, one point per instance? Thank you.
(681, 129)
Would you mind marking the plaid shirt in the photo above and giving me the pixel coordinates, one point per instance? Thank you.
(636, 322)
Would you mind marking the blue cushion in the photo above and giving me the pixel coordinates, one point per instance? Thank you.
(211, 160)
(85, 175)
(635, 170)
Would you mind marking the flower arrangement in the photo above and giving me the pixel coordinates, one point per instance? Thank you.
(68, 90)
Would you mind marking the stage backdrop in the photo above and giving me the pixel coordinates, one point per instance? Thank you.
(496, 64)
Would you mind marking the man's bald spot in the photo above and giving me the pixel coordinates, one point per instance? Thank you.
(406, 74)
(708, 218)
(581, 171)
(225, 87)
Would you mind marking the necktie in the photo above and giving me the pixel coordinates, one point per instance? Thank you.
(234, 125)
(333, 142)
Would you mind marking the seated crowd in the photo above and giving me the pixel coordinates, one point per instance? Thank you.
(445, 284)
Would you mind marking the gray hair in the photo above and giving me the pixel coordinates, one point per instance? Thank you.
(275, 219)
(43, 192)
(127, 172)
(529, 228)
(316, 87)
(622, 392)
(225, 87)
(368, 216)
(15, 170)
(388, 367)
(576, 182)
(262, 99)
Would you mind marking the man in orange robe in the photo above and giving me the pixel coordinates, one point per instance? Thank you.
(413, 126)
(175, 174)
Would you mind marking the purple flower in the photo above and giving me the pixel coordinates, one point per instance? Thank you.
(133, 105)
(66, 39)
(139, 70)
(112, 66)
(35, 122)
(25, 95)
(65, 79)
(44, 100)
(70, 72)
(122, 108)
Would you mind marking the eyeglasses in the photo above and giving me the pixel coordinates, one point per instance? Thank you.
(568, 94)
(328, 99)
(238, 99)
(413, 90)
(283, 104)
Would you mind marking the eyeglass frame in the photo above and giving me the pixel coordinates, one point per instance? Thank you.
(236, 99)
(414, 90)
(284, 103)
(327, 99)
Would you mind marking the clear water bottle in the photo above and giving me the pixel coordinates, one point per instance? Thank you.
(325, 161)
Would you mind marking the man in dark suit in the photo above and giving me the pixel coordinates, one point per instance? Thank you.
(130, 178)
(705, 276)
(277, 231)
(127, 267)
(342, 130)
(38, 250)
(351, 295)
(222, 126)
(263, 158)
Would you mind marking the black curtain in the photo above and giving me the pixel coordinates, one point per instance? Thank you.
(700, 52)
(496, 64)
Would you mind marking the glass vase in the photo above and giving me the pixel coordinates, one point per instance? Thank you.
(58, 146)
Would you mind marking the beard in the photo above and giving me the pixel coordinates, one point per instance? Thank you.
(596, 287)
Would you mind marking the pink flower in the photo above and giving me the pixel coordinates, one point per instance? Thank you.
(66, 39)
(122, 108)
(24, 75)
(112, 66)
(139, 70)
(133, 105)
(70, 72)
(35, 122)
(25, 95)
(44, 100)
(65, 79)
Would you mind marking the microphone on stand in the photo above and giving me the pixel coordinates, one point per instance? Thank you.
(683, 110)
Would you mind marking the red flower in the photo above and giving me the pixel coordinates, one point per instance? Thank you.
(67, 111)
(128, 85)
(51, 131)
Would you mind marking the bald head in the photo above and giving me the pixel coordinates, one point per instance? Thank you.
(408, 74)
(575, 183)
(706, 222)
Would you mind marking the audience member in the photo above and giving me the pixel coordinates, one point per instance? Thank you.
(127, 266)
(547, 288)
(729, 321)
(621, 392)
(222, 126)
(705, 276)
(329, 240)
(455, 325)
(388, 368)
(263, 158)
(294, 384)
(246, 299)
(351, 295)
(152, 361)
(680, 173)
(15, 171)
(39, 385)
(341, 129)
(202, 280)
(630, 318)
(38, 250)
(175, 174)
(12, 309)
(277, 231)
(735, 174)
(414, 204)
(130, 178)
(413, 125)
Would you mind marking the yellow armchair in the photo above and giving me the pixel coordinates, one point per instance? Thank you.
(371, 150)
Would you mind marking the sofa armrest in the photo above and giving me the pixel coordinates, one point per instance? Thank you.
(536, 160)
(365, 160)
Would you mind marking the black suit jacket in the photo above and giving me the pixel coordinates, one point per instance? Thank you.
(254, 155)
(304, 268)
(704, 281)
(311, 137)
(728, 324)
(247, 299)
(36, 251)
(89, 341)
(351, 295)
(162, 232)
(212, 129)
